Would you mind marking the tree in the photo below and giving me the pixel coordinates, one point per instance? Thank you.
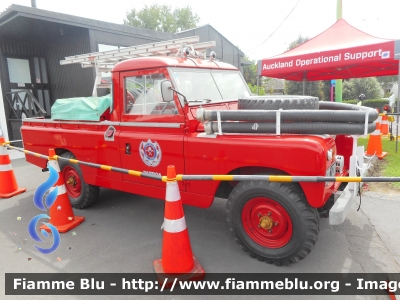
(312, 88)
(369, 86)
(386, 83)
(325, 90)
(185, 18)
(300, 40)
(347, 90)
(253, 89)
(162, 18)
(250, 71)
(268, 83)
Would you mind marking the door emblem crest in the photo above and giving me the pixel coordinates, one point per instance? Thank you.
(150, 153)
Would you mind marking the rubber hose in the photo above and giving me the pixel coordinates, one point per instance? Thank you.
(342, 106)
(295, 128)
(344, 116)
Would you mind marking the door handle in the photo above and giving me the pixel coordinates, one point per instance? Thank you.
(128, 148)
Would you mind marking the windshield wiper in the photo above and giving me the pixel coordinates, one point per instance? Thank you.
(200, 100)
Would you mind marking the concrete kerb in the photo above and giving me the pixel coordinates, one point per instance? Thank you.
(369, 165)
(344, 203)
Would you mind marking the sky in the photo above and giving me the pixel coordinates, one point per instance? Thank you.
(259, 28)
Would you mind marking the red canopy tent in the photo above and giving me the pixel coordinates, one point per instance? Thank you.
(341, 51)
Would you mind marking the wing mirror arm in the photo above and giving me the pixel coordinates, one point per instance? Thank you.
(167, 92)
(184, 98)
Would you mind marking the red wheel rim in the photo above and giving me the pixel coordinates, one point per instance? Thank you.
(267, 222)
(72, 182)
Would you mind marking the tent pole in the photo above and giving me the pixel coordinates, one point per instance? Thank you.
(304, 83)
(338, 90)
(398, 90)
(338, 84)
(339, 10)
(258, 84)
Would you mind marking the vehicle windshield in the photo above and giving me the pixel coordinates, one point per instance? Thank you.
(210, 85)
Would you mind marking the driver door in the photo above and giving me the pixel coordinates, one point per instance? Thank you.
(152, 131)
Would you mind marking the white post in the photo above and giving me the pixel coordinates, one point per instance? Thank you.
(3, 123)
(278, 122)
(219, 122)
(97, 80)
(360, 158)
(353, 166)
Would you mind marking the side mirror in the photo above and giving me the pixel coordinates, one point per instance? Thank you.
(167, 92)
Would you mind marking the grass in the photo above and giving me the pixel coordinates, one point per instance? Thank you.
(390, 164)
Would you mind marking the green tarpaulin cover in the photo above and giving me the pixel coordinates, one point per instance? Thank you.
(81, 108)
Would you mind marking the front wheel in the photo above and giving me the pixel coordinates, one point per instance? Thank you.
(272, 221)
(80, 194)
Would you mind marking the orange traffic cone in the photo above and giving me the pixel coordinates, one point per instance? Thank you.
(61, 214)
(8, 184)
(384, 125)
(177, 256)
(375, 144)
(392, 295)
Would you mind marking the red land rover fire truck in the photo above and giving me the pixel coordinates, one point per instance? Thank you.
(144, 130)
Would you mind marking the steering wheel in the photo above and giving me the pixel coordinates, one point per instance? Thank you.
(130, 100)
(161, 107)
(164, 107)
(154, 94)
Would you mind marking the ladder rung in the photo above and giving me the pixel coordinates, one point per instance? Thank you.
(204, 46)
(130, 50)
(104, 86)
(109, 58)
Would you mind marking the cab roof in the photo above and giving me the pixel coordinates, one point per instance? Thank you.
(169, 61)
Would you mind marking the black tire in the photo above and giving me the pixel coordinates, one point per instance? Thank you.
(279, 102)
(87, 194)
(254, 198)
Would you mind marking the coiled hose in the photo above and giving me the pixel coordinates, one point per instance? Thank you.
(331, 118)
(296, 128)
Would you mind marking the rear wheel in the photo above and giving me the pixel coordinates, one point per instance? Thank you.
(272, 221)
(80, 194)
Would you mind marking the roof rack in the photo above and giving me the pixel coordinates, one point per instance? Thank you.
(105, 61)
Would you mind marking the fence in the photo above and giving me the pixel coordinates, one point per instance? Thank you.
(182, 177)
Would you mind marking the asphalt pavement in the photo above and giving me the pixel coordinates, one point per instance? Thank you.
(122, 234)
